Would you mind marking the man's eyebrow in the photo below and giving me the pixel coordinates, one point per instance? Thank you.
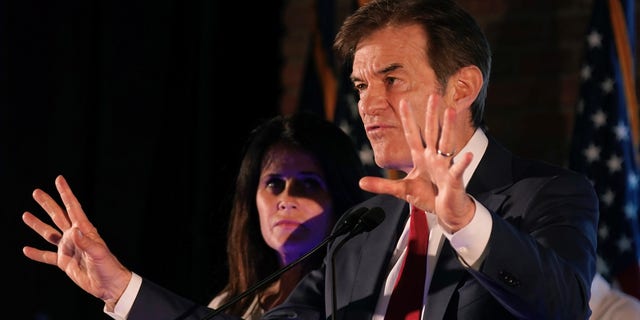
(387, 69)
(391, 67)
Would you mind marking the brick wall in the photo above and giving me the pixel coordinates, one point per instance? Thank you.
(537, 50)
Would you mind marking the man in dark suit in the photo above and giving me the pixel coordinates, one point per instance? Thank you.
(508, 238)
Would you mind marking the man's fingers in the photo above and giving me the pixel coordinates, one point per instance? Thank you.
(445, 143)
(47, 257)
(383, 186)
(58, 216)
(431, 123)
(412, 132)
(71, 203)
(458, 168)
(46, 231)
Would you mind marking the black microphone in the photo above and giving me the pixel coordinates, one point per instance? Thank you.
(349, 221)
(367, 222)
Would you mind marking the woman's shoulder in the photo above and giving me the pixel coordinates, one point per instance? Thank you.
(254, 312)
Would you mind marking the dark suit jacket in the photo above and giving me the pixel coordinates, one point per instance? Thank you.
(538, 264)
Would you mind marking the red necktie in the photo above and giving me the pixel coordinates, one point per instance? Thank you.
(406, 299)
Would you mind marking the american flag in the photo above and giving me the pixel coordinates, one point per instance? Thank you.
(326, 87)
(604, 145)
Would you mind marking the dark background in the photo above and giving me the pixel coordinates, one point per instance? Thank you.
(143, 106)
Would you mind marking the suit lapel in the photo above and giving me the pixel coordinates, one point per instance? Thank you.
(492, 177)
(493, 171)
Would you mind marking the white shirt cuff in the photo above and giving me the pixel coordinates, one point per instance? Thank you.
(124, 304)
(471, 241)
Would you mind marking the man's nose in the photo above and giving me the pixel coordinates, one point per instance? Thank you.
(372, 102)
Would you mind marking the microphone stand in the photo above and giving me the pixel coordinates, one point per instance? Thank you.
(267, 280)
(347, 225)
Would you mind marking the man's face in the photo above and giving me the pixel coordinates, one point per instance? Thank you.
(390, 65)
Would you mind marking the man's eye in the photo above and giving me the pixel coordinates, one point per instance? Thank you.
(390, 80)
(359, 87)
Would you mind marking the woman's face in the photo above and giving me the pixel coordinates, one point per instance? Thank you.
(293, 201)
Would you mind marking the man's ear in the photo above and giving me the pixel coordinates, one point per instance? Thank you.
(466, 83)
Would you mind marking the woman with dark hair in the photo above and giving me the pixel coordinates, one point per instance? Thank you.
(294, 167)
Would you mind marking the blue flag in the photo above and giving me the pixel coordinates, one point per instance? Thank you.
(604, 143)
